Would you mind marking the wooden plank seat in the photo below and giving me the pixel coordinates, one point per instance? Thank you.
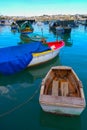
(55, 85)
(64, 88)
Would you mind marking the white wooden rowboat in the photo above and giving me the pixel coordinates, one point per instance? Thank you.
(62, 92)
(39, 58)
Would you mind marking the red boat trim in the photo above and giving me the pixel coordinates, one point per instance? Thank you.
(56, 45)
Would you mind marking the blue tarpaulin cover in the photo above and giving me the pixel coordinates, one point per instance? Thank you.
(16, 58)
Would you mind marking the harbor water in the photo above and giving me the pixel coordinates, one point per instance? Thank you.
(19, 93)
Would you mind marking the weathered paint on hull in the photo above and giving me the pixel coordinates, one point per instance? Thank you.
(62, 110)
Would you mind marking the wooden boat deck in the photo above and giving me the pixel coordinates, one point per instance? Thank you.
(62, 92)
(63, 83)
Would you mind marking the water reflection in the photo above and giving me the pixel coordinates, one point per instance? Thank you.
(14, 31)
(24, 38)
(1, 29)
(60, 122)
(40, 71)
(16, 89)
(85, 28)
(20, 77)
(65, 37)
(25, 78)
(84, 119)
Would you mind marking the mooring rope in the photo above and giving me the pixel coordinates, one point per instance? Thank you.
(20, 105)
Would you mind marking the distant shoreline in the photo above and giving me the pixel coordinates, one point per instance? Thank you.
(47, 17)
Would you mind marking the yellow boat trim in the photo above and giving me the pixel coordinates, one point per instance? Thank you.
(27, 27)
(42, 53)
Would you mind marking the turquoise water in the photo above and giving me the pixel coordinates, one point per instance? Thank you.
(19, 93)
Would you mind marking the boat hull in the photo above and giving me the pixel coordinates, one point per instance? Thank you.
(61, 109)
(43, 57)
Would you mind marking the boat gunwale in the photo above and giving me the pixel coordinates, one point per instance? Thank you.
(48, 51)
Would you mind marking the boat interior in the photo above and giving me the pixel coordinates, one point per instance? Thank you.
(62, 83)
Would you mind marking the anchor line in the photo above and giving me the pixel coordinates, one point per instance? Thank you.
(20, 105)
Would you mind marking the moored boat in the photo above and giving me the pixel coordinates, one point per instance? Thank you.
(41, 57)
(17, 58)
(24, 26)
(60, 27)
(62, 92)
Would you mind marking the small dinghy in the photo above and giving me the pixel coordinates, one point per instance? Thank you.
(62, 92)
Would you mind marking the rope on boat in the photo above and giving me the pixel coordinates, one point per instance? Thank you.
(20, 105)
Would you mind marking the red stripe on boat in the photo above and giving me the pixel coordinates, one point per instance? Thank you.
(55, 45)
